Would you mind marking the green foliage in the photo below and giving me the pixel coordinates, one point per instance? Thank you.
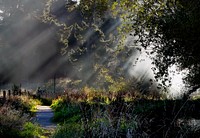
(195, 97)
(31, 130)
(85, 37)
(91, 8)
(119, 118)
(67, 113)
(11, 121)
(108, 81)
(64, 111)
(168, 29)
(58, 104)
(14, 114)
(69, 130)
(90, 17)
(104, 126)
(118, 86)
(33, 103)
(25, 103)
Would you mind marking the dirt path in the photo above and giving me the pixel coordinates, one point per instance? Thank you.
(44, 115)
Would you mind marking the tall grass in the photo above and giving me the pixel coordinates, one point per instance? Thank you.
(88, 114)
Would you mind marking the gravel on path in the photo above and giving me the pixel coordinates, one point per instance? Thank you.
(44, 116)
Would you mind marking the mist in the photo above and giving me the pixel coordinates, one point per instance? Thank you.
(30, 50)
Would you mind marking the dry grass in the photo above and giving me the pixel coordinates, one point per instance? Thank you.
(14, 114)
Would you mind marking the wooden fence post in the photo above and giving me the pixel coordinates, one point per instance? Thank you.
(4, 94)
(28, 93)
(20, 92)
(9, 93)
(25, 92)
(17, 92)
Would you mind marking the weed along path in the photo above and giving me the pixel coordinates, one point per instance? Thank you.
(44, 116)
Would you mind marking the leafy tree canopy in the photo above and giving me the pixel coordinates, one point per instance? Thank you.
(87, 33)
(79, 25)
(170, 28)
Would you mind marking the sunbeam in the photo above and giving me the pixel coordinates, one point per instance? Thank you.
(36, 55)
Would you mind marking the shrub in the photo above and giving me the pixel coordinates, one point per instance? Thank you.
(14, 113)
(31, 130)
(66, 113)
(12, 118)
(58, 104)
(64, 110)
(69, 130)
(11, 121)
(24, 103)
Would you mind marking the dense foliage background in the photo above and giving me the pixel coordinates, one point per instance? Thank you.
(89, 46)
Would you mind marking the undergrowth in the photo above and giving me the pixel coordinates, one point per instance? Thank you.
(90, 115)
(15, 118)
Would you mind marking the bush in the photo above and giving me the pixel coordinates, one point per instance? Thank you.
(69, 130)
(31, 130)
(70, 116)
(66, 113)
(58, 104)
(63, 110)
(14, 113)
(24, 103)
(11, 121)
